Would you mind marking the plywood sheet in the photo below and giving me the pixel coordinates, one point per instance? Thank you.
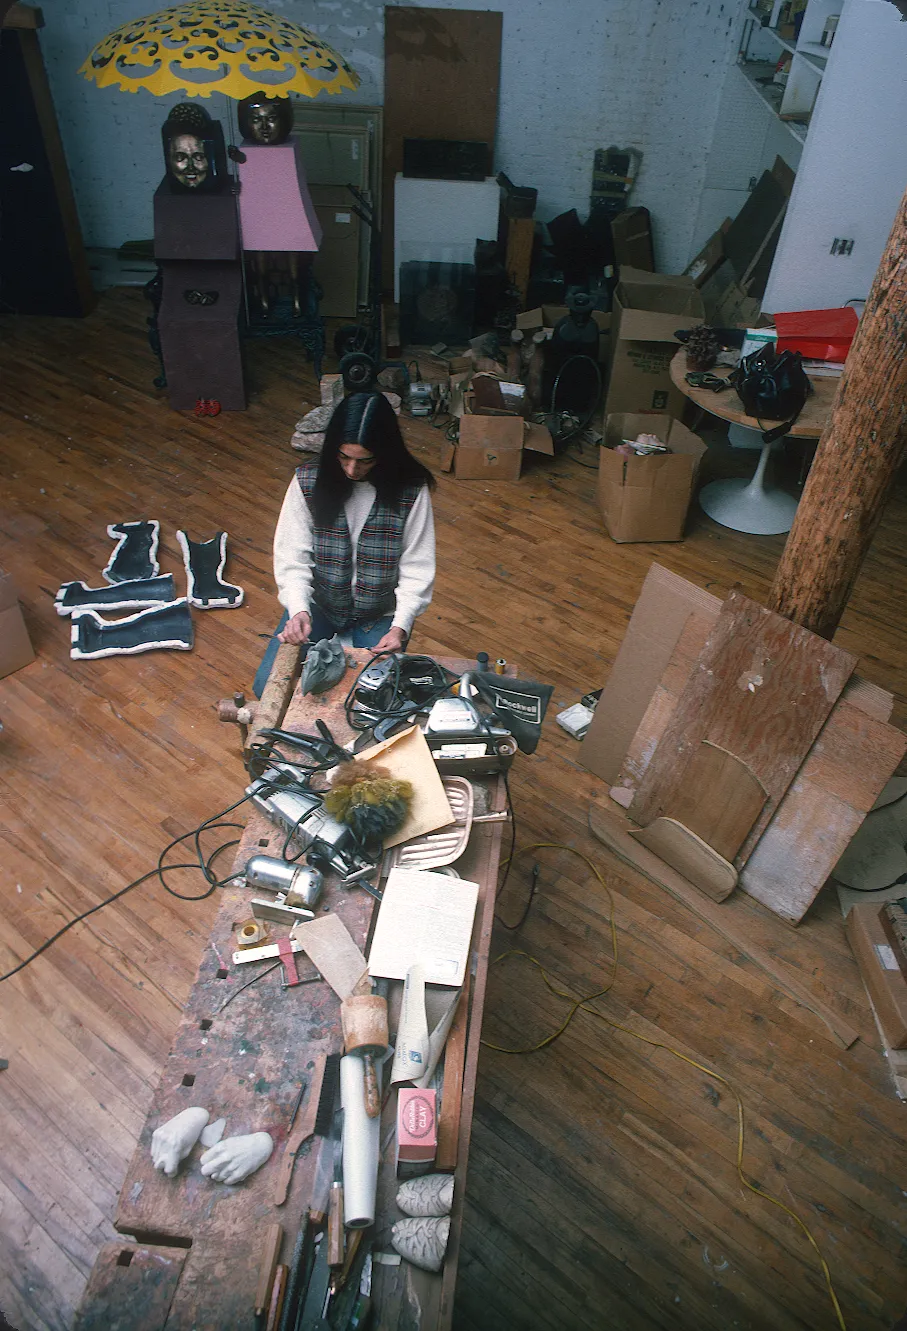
(692, 857)
(761, 689)
(719, 800)
(847, 767)
(660, 615)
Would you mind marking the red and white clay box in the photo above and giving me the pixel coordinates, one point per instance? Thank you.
(417, 1125)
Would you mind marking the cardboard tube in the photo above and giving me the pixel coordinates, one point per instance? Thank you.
(361, 1147)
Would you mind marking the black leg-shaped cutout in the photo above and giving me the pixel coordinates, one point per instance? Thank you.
(132, 595)
(205, 562)
(166, 626)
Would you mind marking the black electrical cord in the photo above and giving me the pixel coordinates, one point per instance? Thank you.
(158, 872)
(580, 422)
(365, 720)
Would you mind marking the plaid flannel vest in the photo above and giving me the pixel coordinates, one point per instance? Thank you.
(378, 553)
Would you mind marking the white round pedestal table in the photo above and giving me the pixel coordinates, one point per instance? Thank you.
(749, 505)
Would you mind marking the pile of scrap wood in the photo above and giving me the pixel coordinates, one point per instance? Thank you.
(744, 749)
(732, 268)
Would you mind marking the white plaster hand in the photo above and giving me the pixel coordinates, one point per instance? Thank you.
(235, 1158)
(173, 1140)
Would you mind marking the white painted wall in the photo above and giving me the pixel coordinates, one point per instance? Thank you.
(574, 76)
(853, 171)
(748, 138)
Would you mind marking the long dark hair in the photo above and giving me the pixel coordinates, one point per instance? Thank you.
(366, 419)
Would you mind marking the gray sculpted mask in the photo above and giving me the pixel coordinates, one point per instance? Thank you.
(325, 666)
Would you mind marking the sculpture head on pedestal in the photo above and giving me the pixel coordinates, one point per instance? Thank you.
(194, 150)
(264, 118)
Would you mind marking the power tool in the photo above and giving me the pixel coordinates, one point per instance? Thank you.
(329, 844)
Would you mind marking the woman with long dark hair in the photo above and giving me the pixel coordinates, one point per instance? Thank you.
(354, 549)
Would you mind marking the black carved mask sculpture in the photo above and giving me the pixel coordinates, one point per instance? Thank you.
(265, 119)
(194, 153)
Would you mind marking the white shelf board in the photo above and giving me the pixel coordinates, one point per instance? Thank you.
(788, 43)
(770, 93)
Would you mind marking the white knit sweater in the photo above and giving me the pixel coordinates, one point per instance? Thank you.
(293, 551)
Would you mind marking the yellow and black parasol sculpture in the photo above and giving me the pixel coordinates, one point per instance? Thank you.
(233, 48)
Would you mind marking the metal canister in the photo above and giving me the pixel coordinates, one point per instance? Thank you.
(274, 875)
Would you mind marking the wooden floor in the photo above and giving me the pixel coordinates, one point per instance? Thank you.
(602, 1190)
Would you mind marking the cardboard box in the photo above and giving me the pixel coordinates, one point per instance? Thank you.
(710, 257)
(647, 498)
(881, 974)
(631, 232)
(417, 1125)
(336, 265)
(15, 645)
(648, 309)
(490, 448)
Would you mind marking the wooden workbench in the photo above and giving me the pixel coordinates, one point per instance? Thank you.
(242, 1053)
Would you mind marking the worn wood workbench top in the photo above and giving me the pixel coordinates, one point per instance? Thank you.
(242, 1051)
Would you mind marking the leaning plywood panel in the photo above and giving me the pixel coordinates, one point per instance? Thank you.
(844, 772)
(659, 617)
(761, 690)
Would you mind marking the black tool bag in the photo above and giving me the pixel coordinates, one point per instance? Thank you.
(772, 387)
(519, 704)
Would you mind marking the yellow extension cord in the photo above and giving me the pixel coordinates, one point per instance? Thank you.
(582, 1004)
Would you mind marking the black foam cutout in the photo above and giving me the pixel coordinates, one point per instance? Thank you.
(132, 595)
(205, 562)
(166, 626)
(135, 553)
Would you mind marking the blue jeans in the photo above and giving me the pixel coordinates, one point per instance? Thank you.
(363, 635)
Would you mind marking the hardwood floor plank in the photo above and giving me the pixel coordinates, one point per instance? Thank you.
(601, 1190)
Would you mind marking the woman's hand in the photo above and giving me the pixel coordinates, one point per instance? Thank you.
(297, 629)
(394, 640)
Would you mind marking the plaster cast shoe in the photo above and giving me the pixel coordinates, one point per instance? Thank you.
(427, 1195)
(422, 1241)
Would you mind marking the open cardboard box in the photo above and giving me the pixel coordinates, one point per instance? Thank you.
(490, 448)
(15, 645)
(879, 969)
(649, 308)
(647, 498)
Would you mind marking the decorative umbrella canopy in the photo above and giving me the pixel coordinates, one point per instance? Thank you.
(234, 48)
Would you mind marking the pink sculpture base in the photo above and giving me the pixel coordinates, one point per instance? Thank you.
(275, 207)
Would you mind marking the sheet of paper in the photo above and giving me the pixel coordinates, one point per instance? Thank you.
(327, 942)
(411, 1046)
(408, 757)
(425, 920)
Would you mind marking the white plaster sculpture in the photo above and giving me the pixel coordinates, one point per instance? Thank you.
(212, 1134)
(422, 1242)
(429, 1194)
(173, 1140)
(235, 1158)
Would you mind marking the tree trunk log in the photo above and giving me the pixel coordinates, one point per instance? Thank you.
(857, 458)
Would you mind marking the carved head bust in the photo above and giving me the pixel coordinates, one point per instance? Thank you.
(265, 119)
(193, 149)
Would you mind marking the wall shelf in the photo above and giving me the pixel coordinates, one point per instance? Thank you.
(793, 101)
(771, 94)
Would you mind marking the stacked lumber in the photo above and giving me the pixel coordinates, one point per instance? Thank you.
(733, 736)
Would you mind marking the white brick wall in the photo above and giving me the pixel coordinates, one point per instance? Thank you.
(575, 75)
